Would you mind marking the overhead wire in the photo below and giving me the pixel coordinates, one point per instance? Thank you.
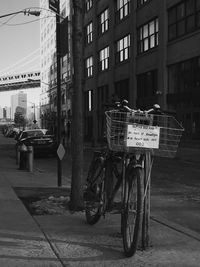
(26, 63)
(2, 72)
(5, 22)
(19, 61)
(28, 22)
(17, 70)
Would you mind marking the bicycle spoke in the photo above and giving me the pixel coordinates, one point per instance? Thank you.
(95, 188)
(132, 213)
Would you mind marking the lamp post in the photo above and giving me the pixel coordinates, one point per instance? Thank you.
(34, 118)
(34, 114)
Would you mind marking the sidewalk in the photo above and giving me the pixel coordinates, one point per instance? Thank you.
(66, 240)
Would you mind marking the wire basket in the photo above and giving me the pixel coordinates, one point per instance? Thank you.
(131, 132)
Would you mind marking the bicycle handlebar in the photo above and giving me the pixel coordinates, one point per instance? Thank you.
(123, 106)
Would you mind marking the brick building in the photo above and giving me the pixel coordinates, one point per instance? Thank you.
(147, 51)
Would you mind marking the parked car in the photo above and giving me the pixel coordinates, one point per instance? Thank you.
(40, 139)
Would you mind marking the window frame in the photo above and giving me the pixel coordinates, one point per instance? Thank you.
(89, 63)
(123, 11)
(89, 33)
(104, 61)
(88, 5)
(120, 55)
(179, 23)
(103, 26)
(146, 38)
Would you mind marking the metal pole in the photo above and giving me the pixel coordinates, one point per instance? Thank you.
(34, 112)
(59, 165)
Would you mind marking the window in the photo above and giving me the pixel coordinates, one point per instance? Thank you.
(88, 4)
(148, 36)
(123, 9)
(183, 18)
(147, 84)
(184, 76)
(88, 100)
(102, 99)
(89, 67)
(104, 59)
(103, 21)
(89, 33)
(123, 49)
(141, 2)
(88, 119)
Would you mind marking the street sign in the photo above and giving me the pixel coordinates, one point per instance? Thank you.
(61, 151)
(64, 49)
(54, 5)
(23, 148)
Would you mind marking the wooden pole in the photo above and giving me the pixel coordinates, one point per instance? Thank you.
(145, 238)
(59, 164)
(76, 199)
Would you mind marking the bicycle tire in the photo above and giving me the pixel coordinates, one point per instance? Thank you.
(95, 185)
(134, 188)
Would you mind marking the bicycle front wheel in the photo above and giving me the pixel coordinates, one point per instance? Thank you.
(95, 193)
(132, 211)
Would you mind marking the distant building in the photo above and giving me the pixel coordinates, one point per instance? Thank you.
(49, 67)
(8, 112)
(18, 100)
(1, 112)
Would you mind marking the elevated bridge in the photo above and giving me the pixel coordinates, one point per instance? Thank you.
(20, 81)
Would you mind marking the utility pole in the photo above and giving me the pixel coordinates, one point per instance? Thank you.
(59, 165)
(76, 200)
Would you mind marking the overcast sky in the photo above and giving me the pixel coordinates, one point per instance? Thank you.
(19, 43)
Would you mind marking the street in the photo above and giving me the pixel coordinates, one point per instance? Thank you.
(69, 241)
(175, 187)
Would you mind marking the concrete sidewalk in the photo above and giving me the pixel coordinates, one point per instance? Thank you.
(66, 240)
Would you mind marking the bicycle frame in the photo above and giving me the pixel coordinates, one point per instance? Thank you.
(111, 160)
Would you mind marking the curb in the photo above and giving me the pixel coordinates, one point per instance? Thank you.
(177, 227)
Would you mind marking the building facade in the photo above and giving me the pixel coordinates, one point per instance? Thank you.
(146, 51)
(18, 100)
(49, 68)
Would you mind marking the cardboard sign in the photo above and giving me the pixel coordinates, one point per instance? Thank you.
(143, 136)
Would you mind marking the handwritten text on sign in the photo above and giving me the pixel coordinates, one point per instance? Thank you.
(143, 136)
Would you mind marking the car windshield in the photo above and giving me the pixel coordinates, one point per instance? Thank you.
(32, 134)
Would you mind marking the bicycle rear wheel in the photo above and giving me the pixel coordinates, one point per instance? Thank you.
(95, 193)
(132, 211)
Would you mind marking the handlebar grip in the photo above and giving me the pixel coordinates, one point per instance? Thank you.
(124, 106)
(155, 110)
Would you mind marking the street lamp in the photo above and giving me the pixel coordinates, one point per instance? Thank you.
(25, 11)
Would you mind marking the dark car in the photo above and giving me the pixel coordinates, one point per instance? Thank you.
(40, 139)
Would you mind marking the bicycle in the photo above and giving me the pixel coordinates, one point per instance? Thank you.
(134, 137)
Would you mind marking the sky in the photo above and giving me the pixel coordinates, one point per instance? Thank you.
(19, 45)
